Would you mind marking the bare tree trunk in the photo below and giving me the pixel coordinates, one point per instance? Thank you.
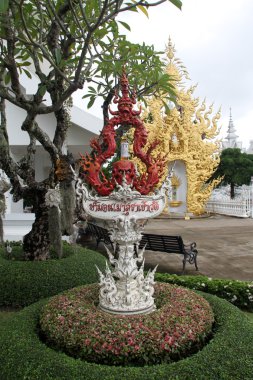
(232, 190)
(36, 243)
(1, 230)
(67, 207)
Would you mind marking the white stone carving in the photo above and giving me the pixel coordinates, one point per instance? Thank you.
(124, 289)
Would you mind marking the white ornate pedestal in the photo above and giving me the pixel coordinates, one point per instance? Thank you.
(124, 290)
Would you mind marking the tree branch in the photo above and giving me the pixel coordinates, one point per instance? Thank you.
(84, 15)
(32, 128)
(19, 102)
(58, 19)
(10, 60)
(7, 163)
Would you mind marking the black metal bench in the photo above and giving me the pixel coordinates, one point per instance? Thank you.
(161, 243)
(171, 244)
(99, 233)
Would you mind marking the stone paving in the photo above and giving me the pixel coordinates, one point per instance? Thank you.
(225, 246)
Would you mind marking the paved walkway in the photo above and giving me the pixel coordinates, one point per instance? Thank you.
(225, 246)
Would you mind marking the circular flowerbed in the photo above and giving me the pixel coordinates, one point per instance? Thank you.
(72, 322)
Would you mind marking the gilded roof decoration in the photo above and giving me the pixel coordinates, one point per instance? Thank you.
(188, 132)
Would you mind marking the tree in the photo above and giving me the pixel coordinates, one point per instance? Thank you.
(69, 43)
(235, 167)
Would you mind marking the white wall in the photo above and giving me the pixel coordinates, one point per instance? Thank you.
(180, 172)
(84, 125)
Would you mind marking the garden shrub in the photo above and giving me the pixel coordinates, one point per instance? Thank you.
(25, 282)
(239, 293)
(17, 252)
(227, 356)
(179, 327)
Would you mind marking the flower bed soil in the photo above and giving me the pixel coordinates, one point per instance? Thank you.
(72, 322)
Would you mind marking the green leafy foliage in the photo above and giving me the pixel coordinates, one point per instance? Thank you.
(177, 3)
(4, 5)
(239, 293)
(25, 282)
(125, 25)
(58, 56)
(235, 167)
(145, 69)
(17, 253)
(67, 52)
(7, 78)
(17, 274)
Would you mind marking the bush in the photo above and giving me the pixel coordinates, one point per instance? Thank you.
(227, 356)
(239, 293)
(17, 252)
(25, 282)
(178, 328)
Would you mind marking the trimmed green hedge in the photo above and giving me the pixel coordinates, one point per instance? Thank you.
(239, 293)
(227, 356)
(25, 282)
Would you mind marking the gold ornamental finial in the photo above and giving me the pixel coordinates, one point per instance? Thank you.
(175, 66)
(170, 49)
(175, 181)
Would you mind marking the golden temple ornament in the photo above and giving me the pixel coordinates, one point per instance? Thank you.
(175, 183)
(188, 134)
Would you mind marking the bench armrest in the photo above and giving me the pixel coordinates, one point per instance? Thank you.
(191, 246)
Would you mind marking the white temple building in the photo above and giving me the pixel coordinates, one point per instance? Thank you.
(231, 140)
(17, 220)
(250, 149)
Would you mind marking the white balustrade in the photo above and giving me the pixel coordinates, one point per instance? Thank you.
(221, 203)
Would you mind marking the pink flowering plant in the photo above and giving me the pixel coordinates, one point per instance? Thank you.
(182, 323)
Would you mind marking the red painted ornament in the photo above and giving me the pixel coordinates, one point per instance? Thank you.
(105, 146)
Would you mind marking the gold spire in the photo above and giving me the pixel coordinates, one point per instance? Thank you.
(170, 49)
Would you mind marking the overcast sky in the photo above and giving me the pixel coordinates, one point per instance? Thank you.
(213, 38)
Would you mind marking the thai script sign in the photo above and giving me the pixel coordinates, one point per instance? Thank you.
(108, 209)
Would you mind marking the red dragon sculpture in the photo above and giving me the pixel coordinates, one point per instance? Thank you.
(105, 146)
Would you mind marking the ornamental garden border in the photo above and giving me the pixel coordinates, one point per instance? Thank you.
(228, 355)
